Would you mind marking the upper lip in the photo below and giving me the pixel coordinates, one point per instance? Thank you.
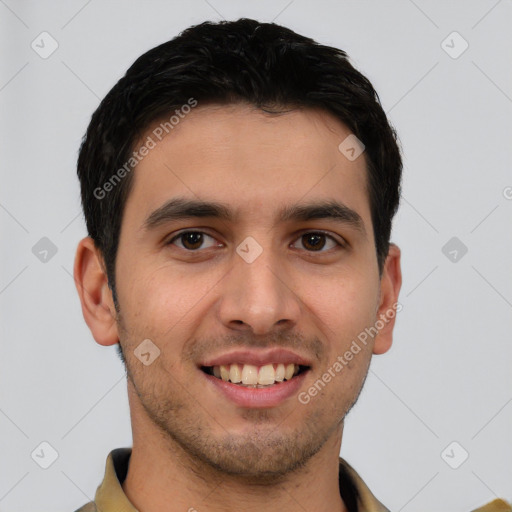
(257, 358)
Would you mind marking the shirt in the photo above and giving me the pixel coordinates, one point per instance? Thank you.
(110, 496)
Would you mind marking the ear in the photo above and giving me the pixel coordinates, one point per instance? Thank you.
(390, 284)
(95, 296)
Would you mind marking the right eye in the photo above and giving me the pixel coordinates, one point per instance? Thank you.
(191, 240)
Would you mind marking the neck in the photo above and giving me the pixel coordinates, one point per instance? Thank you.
(162, 477)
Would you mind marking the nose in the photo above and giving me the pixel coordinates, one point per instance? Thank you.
(259, 296)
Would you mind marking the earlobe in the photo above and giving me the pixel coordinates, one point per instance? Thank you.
(390, 284)
(95, 295)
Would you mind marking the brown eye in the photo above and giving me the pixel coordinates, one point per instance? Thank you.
(191, 240)
(315, 241)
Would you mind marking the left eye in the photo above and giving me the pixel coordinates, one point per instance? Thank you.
(313, 241)
(316, 240)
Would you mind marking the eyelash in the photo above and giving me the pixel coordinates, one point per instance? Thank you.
(179, 235)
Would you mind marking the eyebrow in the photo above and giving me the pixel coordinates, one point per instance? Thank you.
(182, 208)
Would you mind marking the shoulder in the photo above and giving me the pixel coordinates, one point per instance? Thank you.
(497, 505)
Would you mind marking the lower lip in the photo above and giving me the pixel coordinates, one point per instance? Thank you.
(258, 397)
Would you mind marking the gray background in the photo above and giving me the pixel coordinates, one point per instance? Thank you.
(447, 377)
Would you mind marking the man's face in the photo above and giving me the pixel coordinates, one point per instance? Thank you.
(312, 290)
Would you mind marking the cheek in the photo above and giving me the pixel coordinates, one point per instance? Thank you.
(163, 300)
(344, 303)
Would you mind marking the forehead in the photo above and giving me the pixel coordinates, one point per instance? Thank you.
(257, 162)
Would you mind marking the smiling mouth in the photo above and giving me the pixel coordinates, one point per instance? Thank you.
(251, 376)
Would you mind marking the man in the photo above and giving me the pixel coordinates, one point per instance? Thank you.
(239, 185)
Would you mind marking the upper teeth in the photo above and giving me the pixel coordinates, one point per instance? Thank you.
(251, 374)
